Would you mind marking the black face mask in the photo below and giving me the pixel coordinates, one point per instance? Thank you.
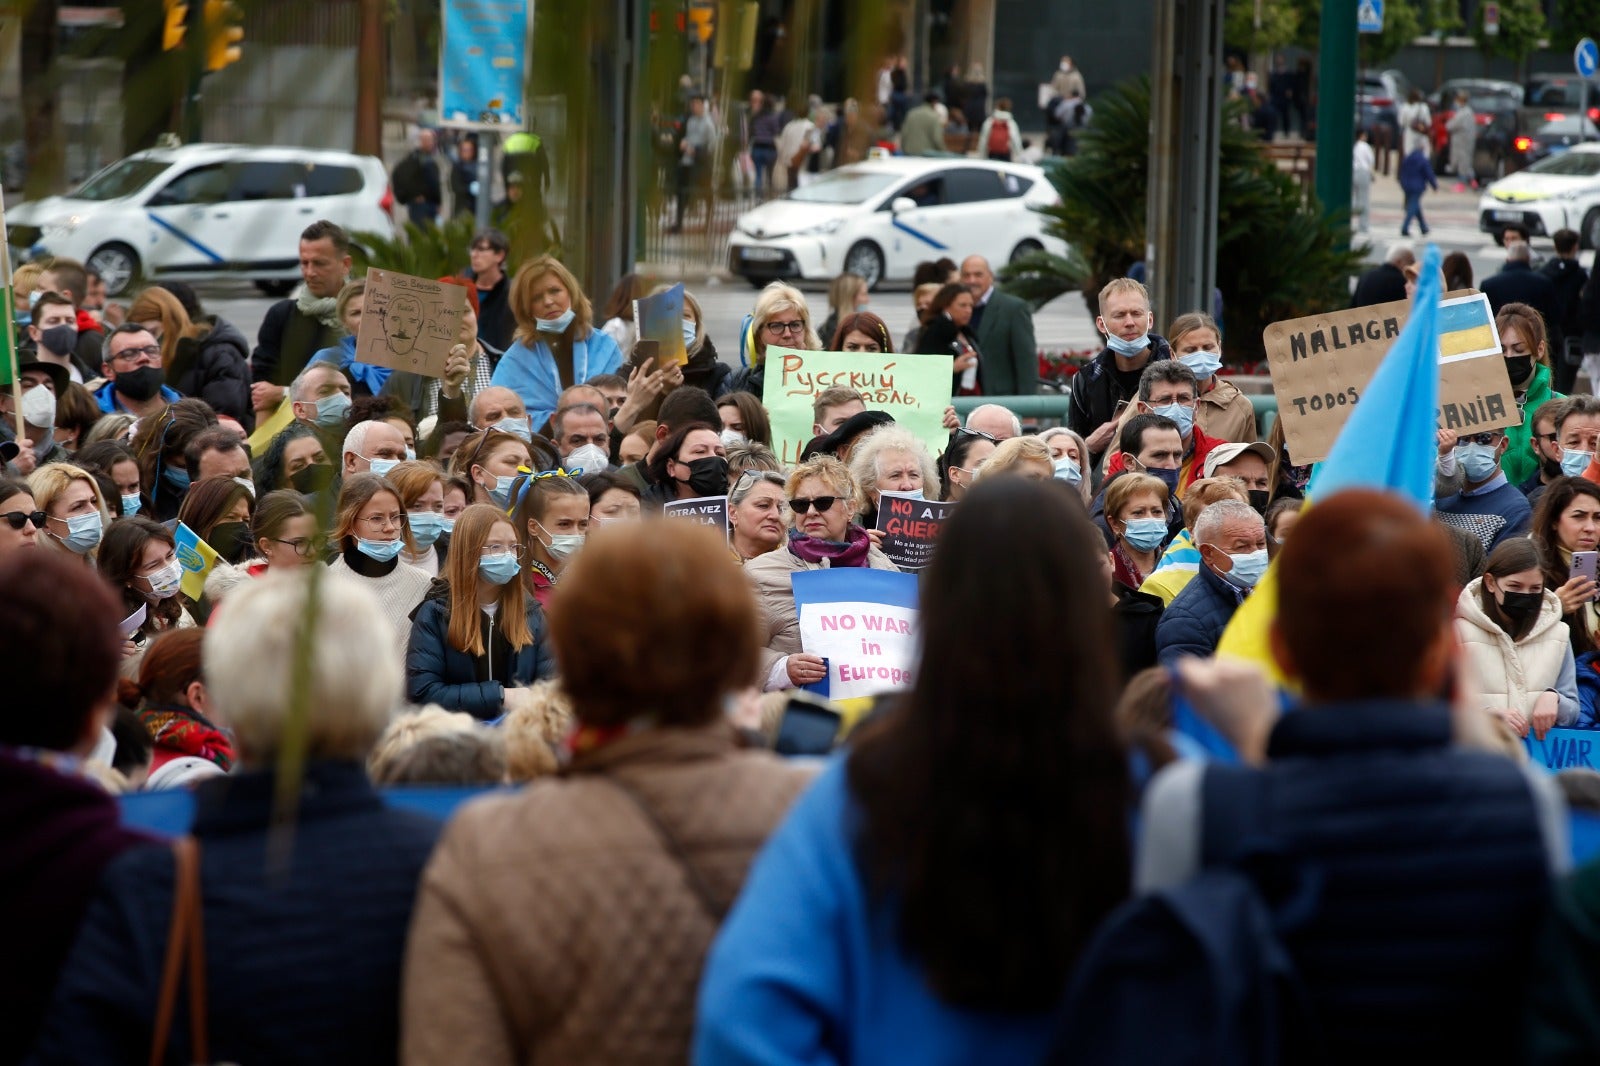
(231, 540)
(708, 476)
(62, 340)
(313, 478)
(139, 385)
(1259, 498)
(1550, 468)
(1520, 367)
(1519, 606)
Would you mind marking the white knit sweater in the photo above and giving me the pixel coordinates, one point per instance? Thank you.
(398, 592)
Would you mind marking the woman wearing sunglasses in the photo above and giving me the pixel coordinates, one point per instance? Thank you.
(20, 518)
(478, 639)
(822, 500)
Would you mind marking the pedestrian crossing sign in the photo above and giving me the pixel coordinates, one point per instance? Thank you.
(1369, 16)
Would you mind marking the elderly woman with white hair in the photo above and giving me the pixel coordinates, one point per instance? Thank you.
(891, 459)
(304, 922)
(780, 319)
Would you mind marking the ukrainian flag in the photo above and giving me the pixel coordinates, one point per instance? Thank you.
(197, 558)
(1466, 327)
(1389, 442)
(271, 427)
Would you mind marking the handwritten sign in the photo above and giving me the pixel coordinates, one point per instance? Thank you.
(910, 528)
(660, 319)
(409, 323)
(705, 510)
(915, 389)
(864, 623)
(1320, 365)
(1565, 749)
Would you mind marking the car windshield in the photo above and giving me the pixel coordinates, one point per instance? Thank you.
(121, 179)
(1493, 101)
(1569, 165)
(846, 186)
(1556, 92)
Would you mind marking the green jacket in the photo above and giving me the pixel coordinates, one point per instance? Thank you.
(1008, 353)
(922, 133)
(1518, 462)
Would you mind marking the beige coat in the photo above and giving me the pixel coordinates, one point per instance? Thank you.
(1512, 674)
(780, 622)
(553, 925)
(1226, 414)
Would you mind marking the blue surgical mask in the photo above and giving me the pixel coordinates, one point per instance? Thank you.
(1247, 568)
(562, 545)
(426, 527)
(411, 455)
(1067, 470)
(447, 524)
(517, 427)
(130, 505)
(558, 324)
(177, 477)
(331, 410)
(1127, 348)
(501, 493)
(1573, 464)
(1478, 461)
(1180, 414)
(381, 467)
(379, 550)
(498, 569)
(83, 532)
(689, 332)
(1203, 363)
(1145, 534)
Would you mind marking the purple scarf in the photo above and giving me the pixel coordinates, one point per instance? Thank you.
(853, 552)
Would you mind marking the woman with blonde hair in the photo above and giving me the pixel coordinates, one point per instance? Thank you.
(824, 536)
(781, 318)
(1068, 456)
(891, 459)
(75, 512)
(557, 345)
(199, 359)
(1027, 457)
(847, 294)
(370, 532)
(478, 639)
(421, 486)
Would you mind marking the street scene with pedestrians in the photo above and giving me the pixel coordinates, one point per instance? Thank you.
(800, 531)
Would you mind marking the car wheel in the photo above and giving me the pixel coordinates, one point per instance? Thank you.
(117, 265)
(1027, 247)
(865, 260)
(276, 289)
(1589, 233)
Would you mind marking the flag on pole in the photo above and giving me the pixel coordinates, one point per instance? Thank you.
(1390, 442)
(197, 558)
(8, 336)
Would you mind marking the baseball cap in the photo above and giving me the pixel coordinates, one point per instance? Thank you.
(1224, 454)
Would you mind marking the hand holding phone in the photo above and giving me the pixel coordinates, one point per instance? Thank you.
(1585, 565)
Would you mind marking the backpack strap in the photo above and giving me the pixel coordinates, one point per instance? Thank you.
(691, 873)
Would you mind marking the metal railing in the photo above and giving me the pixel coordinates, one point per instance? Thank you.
(1052, 407)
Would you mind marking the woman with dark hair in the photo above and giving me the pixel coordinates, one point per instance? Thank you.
(77, 413)
(295, 459)
(1457, 269)
(478, 636)
(948, 331)
(20, 518)
(657, 816)
(139, 558)
(961, 461)
(1567, 520)
(861, 331)
(551, 518)
(116, 462)
(160, 444)
(1511, 632)
(692, 462)
(613, 497)
(219, 509)
(1527, 354)
(388, 409)
(744, 420)
(170, 701)
(283, 536)
(906, 937)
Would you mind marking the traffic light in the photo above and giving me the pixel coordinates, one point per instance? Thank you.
(224, 33)
(175, 23)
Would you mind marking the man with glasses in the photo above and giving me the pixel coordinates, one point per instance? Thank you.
(132, 369)
(488, 254)
(42, 386)
(1545, 443)
(1169, 388)
(1488, 506)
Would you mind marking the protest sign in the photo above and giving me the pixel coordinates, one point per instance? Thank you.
(915, 389)
(1321, 364)
(863, 622)
(196, 557)
(483, 63)
(660, 319)
(409, 323)
(1564, 749)
(705, 510)
(910, 528)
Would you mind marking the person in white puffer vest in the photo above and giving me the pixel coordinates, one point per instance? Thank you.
(1512, 633)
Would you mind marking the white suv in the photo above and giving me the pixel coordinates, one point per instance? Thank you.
(204, 211)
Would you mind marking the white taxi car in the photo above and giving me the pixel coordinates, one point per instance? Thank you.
(1560, 191)
(204, 211)
(880, 218)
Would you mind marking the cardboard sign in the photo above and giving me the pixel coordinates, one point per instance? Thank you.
(910, 528)
(1321, 364)
(863, 622)
(706, 510)
(409, 323)
(915, 389)
(660, 319)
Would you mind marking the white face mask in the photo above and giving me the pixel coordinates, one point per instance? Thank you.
(39, 407)
(589, 458)
(732, 437)
(164, 583)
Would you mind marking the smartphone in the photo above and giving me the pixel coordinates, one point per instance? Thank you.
(646, 354)
(1584, 564)
(807, 728)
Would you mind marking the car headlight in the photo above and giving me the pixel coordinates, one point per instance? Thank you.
(62, 226)
(821, 229)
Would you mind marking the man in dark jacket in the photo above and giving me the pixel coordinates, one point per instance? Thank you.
(1569, 277)
(58, 826)
(1003, 324)
(496, 323)
(1111, 380)
(1233, 556)
(297, 328)
(221, 374)
(417, 183)
(1518, 283)
(1386, 282)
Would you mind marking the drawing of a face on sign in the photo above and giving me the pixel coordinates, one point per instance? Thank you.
(402, 324)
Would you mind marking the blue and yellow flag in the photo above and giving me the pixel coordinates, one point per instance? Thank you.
(1389, 442)
(196, 557)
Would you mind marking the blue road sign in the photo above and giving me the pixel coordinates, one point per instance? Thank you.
(1369, 16)
(1586, 57)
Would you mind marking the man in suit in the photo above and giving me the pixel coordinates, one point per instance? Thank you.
(1008, 358)
(1518, 282)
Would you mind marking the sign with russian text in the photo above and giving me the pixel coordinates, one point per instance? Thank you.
(915, 389)
(705, 510)
(910, 528)
(864, 623)
(1321, 364)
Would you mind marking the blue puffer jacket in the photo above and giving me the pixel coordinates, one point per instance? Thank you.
(1193, 622)
(437, 672)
